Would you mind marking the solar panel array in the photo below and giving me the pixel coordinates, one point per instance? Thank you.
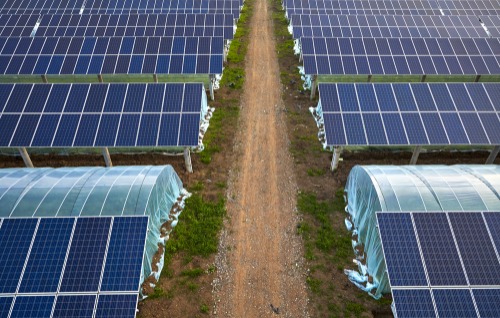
(387, 26)
(396, 56)
(71, 267)
(410, 114)
(212, 25)
(442, 264)
(100, 115)
(492, 23)
(394, 7)
(119, 7)
(111, 55)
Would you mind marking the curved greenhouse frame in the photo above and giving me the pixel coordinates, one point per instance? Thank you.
(409, 188)
(96, 191)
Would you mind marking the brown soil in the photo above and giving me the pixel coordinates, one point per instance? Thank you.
(260, 264)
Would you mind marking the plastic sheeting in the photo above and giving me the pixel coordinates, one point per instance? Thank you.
(96, 191)
(409, 188)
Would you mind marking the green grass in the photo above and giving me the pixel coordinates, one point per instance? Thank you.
(215, 134)
(353, 309)
(233, 77)
(238, 48)
(314, 284)
(315, 172)
(195, 272)
(204, 308)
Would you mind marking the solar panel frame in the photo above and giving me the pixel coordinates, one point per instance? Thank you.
(403, 55)
(411, 120)
(96, 115)
(95, 56)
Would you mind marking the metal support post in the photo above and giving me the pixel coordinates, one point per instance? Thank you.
(493, 155)
(314, 85)
(26, 157)
(478, 77)
(187, 160)
(369, 78)
(107, 157)
(44, 79)
(225, 51)
(99, 78)
(336, 157)
(211, 85)
(422, 79)
(155, 78)
(416, 153)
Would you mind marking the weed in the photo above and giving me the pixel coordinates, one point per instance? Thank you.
(353, 309)
(221, 185)
(199, 224)
(315, 172)
(314, 284)
(204, 308)
(211, 269)
(233, 77)
(195, 272)
(197, 187)
(193, 286)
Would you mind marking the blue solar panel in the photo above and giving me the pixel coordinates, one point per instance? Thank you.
(402, 255)
(442, 261)
(454, 303)
(125, 253)
(109, 306)
(76, 120)
(16, 236)
(74, 306)
(481, 264)
(415, 114)
(85, 259)
(487, 302)
(101, 56)
(47, 255)
(5, 303)
(32, 307)
(413, 303)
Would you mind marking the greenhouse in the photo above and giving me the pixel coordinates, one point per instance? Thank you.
(409, 188)
(155, 191)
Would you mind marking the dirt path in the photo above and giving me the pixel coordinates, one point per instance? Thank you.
(260, 259)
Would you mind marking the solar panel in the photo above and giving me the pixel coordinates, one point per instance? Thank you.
(460, 262)
(101, 115)
(385, 26)
(71, 261)
(111, 55)
(418, 56)
(204, 25)
(492, 23)
(17, 24)
(409, 114)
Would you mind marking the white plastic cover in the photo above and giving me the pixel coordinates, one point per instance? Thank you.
(409, 188)
(95, 191)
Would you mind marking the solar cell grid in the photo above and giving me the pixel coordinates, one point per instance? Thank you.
(113, 55)
(93, 115)
(449, 56)
(413, 303)
(415, 114)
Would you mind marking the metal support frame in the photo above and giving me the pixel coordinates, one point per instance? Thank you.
(416, 153)
(314, 85)
(369, 78)
(155, 78)
(493, 155)
(26, 157)
(99, 78)
(226, 47)
(107, 157)
(44, 78)
(422, 79)
(187, 160)
(337, 151)
(478, 77)
(211, 85)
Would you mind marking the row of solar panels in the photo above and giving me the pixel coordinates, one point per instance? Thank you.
(442, 260)
(393, 26)
(97, 115)
(111, 55)
(417, 56)
(119, 25)
(410, 114)
(122, 7)
(394, 7)
(62, 258)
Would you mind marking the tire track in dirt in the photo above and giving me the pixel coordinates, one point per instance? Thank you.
(260, 258)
